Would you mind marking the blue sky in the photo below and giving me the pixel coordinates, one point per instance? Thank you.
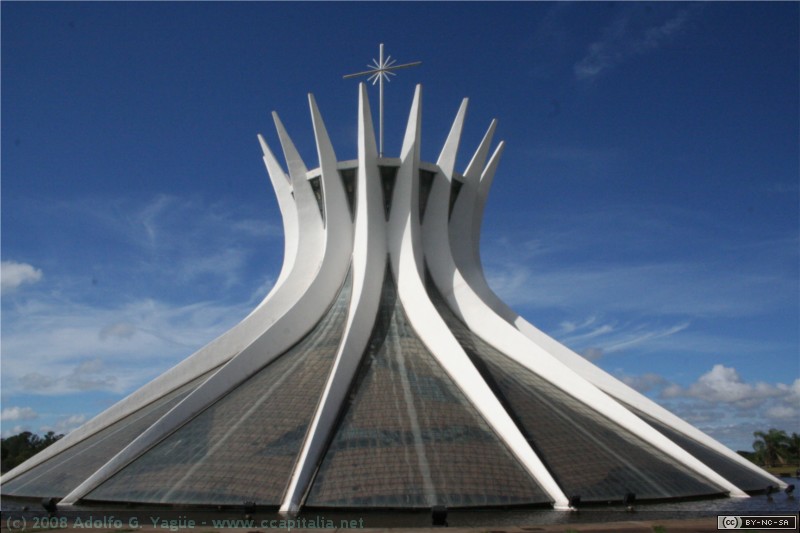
(645, 211)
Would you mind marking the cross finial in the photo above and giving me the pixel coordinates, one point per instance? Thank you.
(379, 71)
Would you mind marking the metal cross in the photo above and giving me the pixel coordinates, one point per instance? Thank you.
(381, 70)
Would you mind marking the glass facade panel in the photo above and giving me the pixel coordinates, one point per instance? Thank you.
(56, 477)
(388, 177)
(425, 185)
(587, 454)
(742, 477)
(455, 188)
(350, 181)
(316, 186)
(409, 438)
(242, 448)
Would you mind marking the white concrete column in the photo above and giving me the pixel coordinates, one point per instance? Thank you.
(405, 250)
(283, 325)
(368, 266)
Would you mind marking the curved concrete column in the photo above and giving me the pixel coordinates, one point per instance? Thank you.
(368, 268)
(283, 185)
(464, 246)
(289, 323)
(298, 208)
(405, 251)
(468, 213)
(288, 208)
(451, 278)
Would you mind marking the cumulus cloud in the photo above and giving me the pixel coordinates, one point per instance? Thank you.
(724, 405)
(12, 414)
(723, 384)
(14, 274)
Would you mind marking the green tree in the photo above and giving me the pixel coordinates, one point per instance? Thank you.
(794, 448)
(771, 447)
(18, 448)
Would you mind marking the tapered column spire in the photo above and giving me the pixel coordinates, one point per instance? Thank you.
(367, 270)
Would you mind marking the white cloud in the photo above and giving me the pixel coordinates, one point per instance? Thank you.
(87, 375)
(122, 330)
(567, 327)
(149, 281)
(507, 280)
(580, 336)
(783, 412)
(656, 282)
(149, 214)
(16, 430)
(58, 347)
(91, 374)
(675, 287)
(11, 414)
(593, 353)
(256, 228)
(262, 290)
(645, 382)
(607, 264)
(625, 38)
(639, 338)
(14, 274)
(178, 275)
(723, 384)
(65, 424)
(595, 338)
(724, 405)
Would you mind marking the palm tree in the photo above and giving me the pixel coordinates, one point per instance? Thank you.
(771, 447)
